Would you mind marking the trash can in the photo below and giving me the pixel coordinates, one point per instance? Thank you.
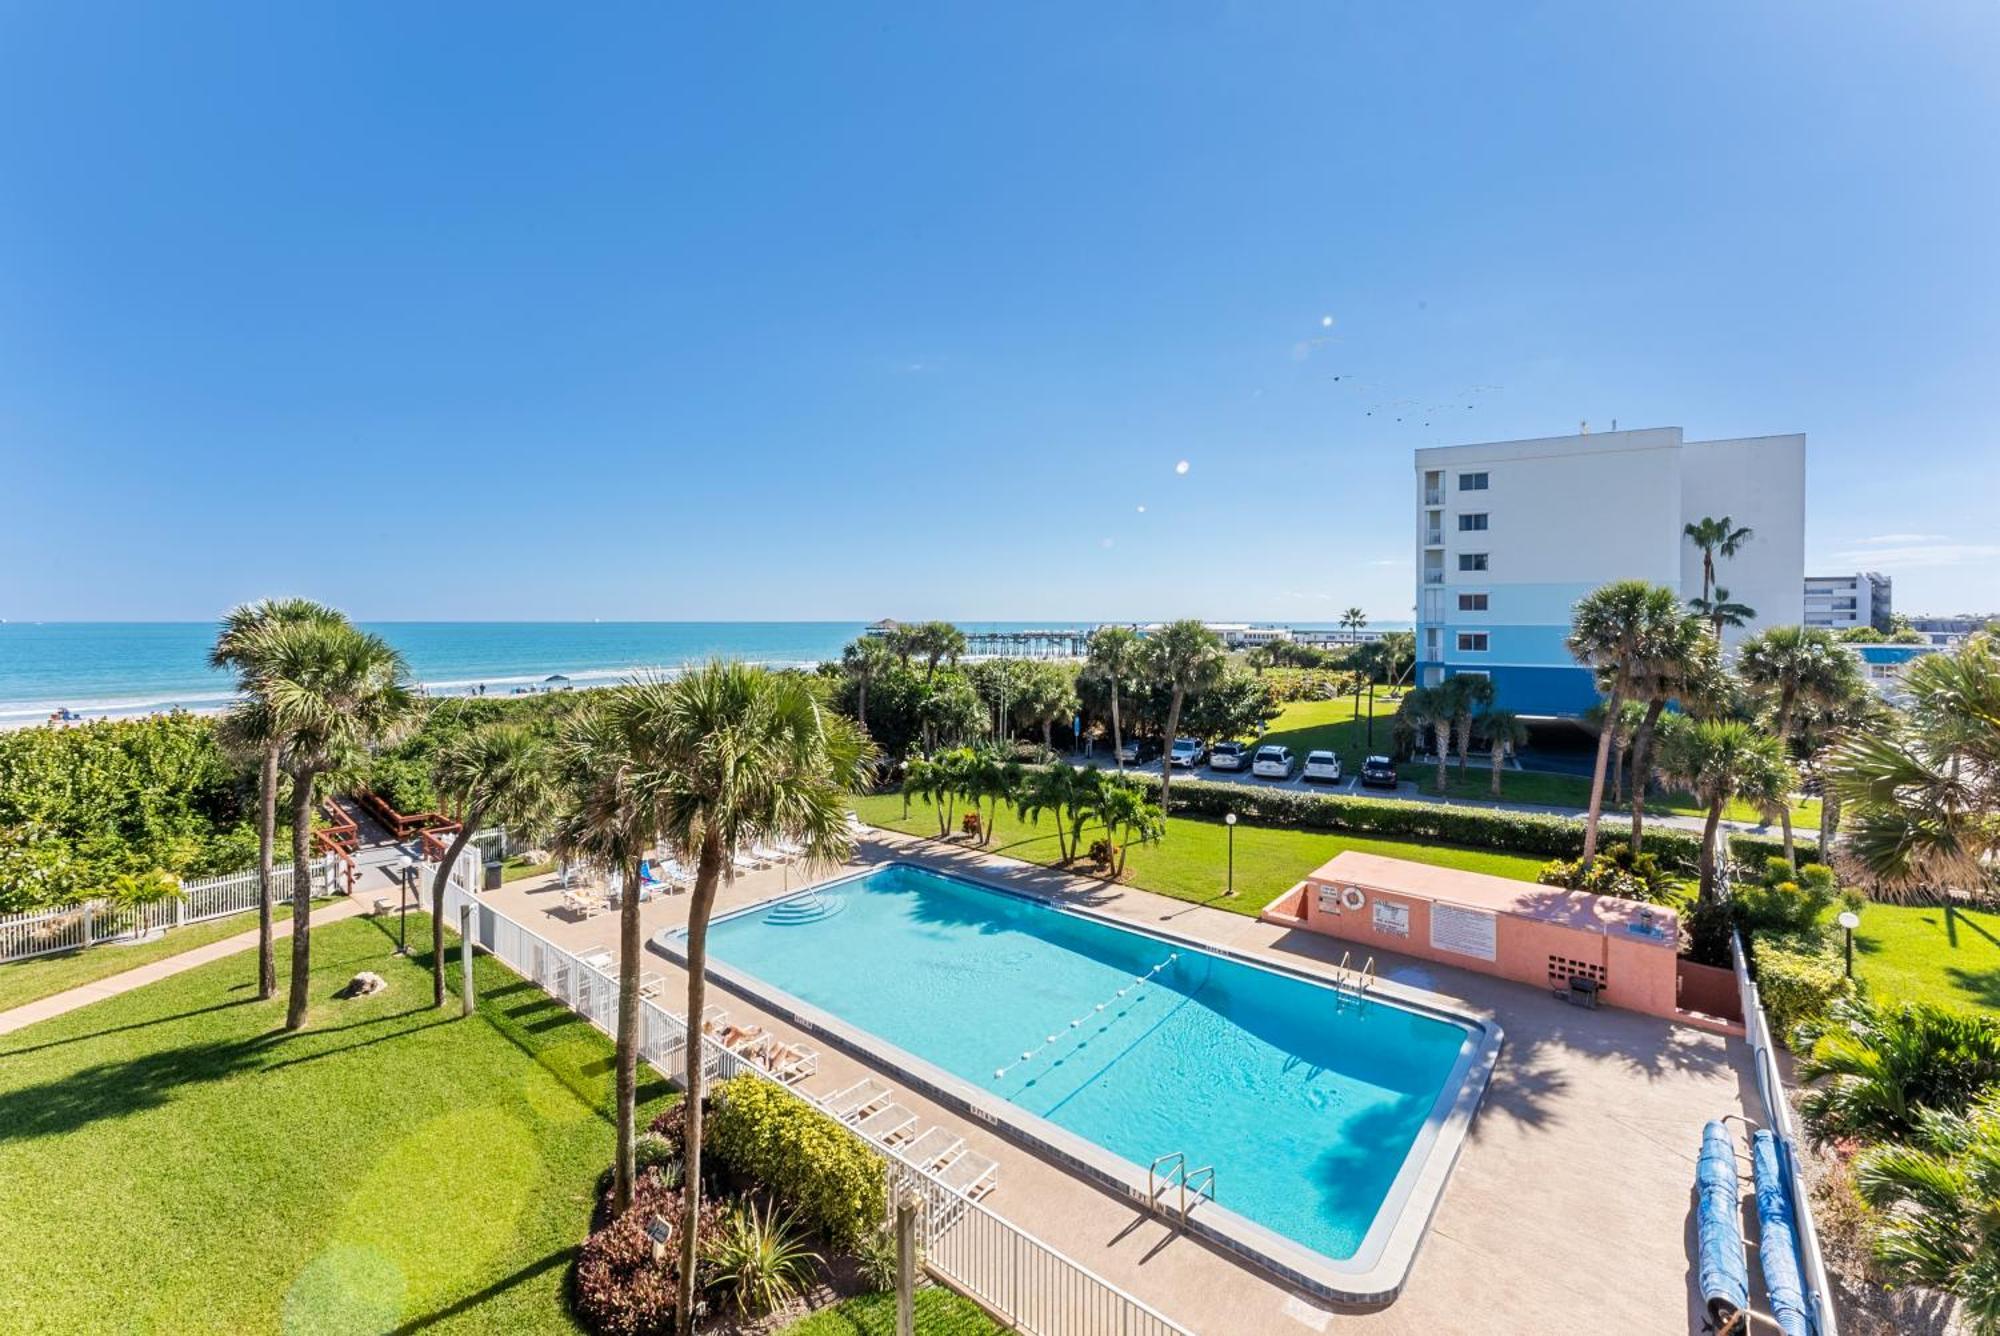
(491, 881)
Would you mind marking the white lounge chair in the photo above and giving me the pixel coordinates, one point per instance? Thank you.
(651, 984)
(888, 1124)
(790, 1063)
(932, 1145)
(768, 855)
(858, 1100)
(599, 960)
(971, 1173)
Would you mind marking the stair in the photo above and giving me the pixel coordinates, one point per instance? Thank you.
(811, 907)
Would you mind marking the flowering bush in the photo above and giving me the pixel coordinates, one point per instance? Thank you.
(620, 1289)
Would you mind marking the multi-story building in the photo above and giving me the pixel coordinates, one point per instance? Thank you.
(1511, 534)
(1842, 602)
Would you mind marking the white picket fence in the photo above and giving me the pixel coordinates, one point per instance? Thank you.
(1037, 1289)
(44, 932)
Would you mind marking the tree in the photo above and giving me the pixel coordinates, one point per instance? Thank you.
(495, 773)
(333, 691)
(249, 729)
(1792, 671)
(1048, 693)
(936, 642)
(1051, 789)
(999, 684)
(1611, 630)
(1469, 693)
(1719, 611)
(866, 659)
(951, 712)
(1116, 656)
(1938, 1198)
(1503, 729)
(1122, 807)
(1239, 705)
(1716, 538)
(1878, 1066)
(737, 755)
(1918, 797)
(1433, 708)
(1353, 620)
(1721, 761)
(1187, 658)
(1679, 663)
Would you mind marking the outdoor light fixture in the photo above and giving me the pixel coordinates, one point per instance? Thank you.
(661, 1231)
(409, 881)
(1229, 820)
(1850, 921)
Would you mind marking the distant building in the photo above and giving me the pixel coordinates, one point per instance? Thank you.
(1511, 534)
(1843, 602)
(1946, 631)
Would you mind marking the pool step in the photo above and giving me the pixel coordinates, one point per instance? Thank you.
(809, 908)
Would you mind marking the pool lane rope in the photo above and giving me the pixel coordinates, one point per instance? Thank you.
(1139, 981)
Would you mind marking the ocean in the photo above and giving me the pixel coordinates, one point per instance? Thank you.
(128, 668)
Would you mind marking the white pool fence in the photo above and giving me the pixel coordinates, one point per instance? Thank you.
(42, 932)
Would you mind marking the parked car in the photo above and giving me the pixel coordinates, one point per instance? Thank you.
(1378, 772)
(1323, 766)
(1187, 753)
(1229, 756)
(1137, 751)
(1272, 762)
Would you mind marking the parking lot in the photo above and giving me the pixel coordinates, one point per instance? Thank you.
(1348, 783)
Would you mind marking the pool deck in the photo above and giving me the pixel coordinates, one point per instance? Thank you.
(1569, 1207)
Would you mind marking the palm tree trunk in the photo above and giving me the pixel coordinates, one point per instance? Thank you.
(1048, 738)
(1829, 819)
(1117, 739)
(1708, 850)
(622, 1164)
(1441, 734)
(861, 705)
(707, 874)
(1642, 761)
(301, 989)
(1785, 820)
(458, 843)
(1611, 707)
(267, 849)
(1499, 756)
(1166, 755)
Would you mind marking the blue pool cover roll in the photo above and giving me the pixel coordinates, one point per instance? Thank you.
(1778, 1239)
(1725, 1276)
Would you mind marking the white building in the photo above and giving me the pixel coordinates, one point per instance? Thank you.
(1511, 534)
(1841, 602)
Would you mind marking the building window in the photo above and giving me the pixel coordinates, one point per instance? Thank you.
(1472, 561)
(1472, 482)
(1472, 603)
(1473, 523)
(1472, 642)
(1479, 673)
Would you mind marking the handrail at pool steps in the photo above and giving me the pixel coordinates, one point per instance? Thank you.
(1029, 1285)
(1778, 1118)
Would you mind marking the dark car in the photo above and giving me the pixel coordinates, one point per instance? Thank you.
(1378, 772)
(1137, 751)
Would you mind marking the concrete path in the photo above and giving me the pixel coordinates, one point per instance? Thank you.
(57, 1004)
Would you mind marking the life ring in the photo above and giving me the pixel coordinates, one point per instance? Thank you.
(1352, 898)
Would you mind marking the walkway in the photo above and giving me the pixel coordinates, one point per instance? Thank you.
(56, 1004)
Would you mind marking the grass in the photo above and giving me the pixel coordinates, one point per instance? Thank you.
(170, 1161)
(24, 981)
(939, 1312)
(517, 868)
(1930, 954)
(1192, 862)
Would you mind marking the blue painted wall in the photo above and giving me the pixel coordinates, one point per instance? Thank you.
(1530, 690)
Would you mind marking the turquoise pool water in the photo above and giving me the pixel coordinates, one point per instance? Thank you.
(1306, 1103)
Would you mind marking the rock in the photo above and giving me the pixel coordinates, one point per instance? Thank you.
(363, 984)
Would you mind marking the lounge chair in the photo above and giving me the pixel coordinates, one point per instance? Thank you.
(887, 1124)
(932, 1145)
(713, 1020)
(746, 862)
(651, 984)
(790, 1063)
(768, 855)
(859, 1099)
(971, 1173)
(650, 880)
(599, 960)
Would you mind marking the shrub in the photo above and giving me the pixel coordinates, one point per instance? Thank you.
(758, 1258)
(809, 1161)
(619, 1290)
(653, 1151)
(1782, 904)
(1799, 980)
(875, 1258)
(1617, 871)
(1877, 1068)
(670, 1126)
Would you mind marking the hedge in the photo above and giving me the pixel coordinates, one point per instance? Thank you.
(812, 1163)
(1798, 979)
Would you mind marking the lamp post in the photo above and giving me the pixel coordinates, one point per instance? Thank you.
(1230, 821)
(409, 879)
(1850, 921)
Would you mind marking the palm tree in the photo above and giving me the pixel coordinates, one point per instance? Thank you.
(494, 773)
(1050, 789)
(1721, 761)
(991, 776)
(1126, 815)
(938, 642)
(248, 730)
(1048, 693)
(1611, 630)
(333, 691)
(1919, 799)
(1938, 1197)
(1469, 694)
(1716, 538)
(1116, 654)
(1353, 620)
(1433, 708)
(1187, 657)
(1678, 661)
(738, 756)
(1503, 729)
(1719, 611)
(1791, 671)
(1878, 1066)
(866, 659)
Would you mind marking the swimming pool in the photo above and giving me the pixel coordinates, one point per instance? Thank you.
(1322, 1115)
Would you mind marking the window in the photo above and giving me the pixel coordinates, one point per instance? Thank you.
(1472, 561)
(1472, 642)
(1479, 673)
(1473, 523)
(1472, 482)
(1472, 603)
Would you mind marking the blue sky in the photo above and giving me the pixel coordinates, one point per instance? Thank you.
(851, 311)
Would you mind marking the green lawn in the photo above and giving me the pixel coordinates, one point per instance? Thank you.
(1191, 863)
(23, 981)
(169, 1162)
(939, 1312)
(1928, 954)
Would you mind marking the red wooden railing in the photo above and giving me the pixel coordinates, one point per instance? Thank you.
(339, 837)
(400, 825)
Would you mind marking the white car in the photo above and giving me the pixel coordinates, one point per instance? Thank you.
(1187, 753)
(1229, 756)
(1272, 762)
(1323, 766)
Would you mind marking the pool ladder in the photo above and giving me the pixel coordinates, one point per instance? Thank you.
(1171, 1171)
(1357, 981)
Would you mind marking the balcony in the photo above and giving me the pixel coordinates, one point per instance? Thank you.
(1433, 496)
(1433, 577)
(1434, 538)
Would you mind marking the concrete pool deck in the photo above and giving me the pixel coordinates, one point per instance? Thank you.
(1569, 1206)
